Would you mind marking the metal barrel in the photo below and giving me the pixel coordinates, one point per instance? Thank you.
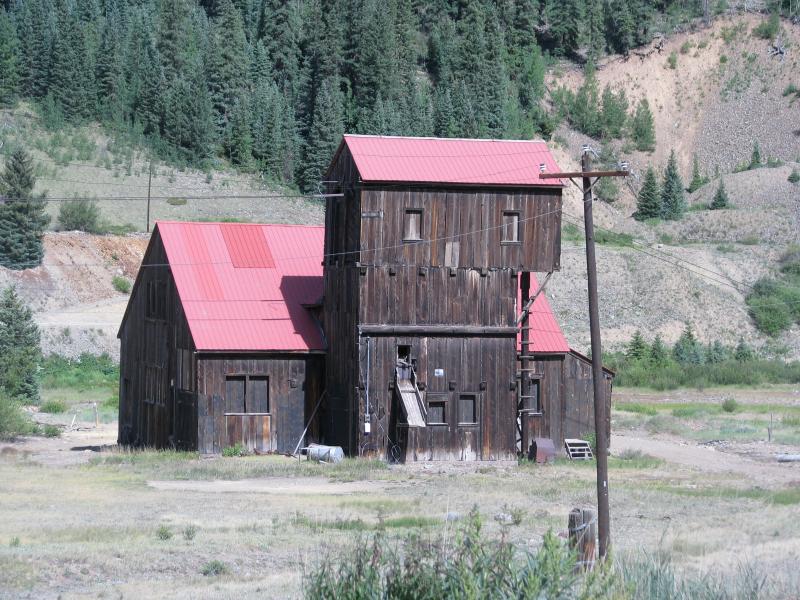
(329, 454)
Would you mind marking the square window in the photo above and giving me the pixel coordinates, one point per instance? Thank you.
(437, 412)
(467, 409)
(511, 226)
(412, 226)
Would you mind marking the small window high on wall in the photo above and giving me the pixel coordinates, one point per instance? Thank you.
(511, 226)
(412, 225)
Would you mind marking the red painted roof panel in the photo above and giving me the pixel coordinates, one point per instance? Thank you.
(243, 286)
(451, 160)
(545, 334)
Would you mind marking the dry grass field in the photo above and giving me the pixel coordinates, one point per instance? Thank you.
(81, 519)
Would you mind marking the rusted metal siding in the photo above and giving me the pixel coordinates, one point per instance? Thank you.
(294, 383)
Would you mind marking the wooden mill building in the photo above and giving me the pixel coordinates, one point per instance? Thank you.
(429, 243)
(408, 328)
(220, 344)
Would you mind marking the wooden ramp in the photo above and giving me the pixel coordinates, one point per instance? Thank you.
(578, 449)
(409, 394)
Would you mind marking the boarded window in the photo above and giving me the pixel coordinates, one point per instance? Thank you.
(511, 226)
(247, 394)
(412, 227)
(157, 299)
(154, 384)
(467, 409)
(437, 410)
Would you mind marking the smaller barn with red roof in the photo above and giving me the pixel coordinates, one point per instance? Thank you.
(220, 343)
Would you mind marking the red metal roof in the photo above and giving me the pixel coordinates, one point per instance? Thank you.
(451, 160)
(545, 334)
(243, 286)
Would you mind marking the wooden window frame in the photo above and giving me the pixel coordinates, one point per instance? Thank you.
(535, 381)
(156, 301)
(247, 377)
(477, 409)
(438, 399)
(406, 229)
(518, 233)
(154, 389)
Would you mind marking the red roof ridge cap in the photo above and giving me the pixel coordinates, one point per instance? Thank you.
(447, 139)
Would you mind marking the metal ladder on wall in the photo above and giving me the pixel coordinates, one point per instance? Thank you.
(523, 359)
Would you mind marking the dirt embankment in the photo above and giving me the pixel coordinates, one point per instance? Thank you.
(72, 295)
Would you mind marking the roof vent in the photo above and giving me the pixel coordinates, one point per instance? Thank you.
(542, 168)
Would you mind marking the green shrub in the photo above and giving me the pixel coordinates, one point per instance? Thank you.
(471, 565)
(13, 421)
(637, 407)
(53, 406)
(79, 215)
(774, 305)
(686, 46)
(236, 450)
(189, 532)
(112, 402)
(52, 431)
(84, 373)
(571, 232)
(121, 284)
(767, 30)
(214, 568)
(794, 176)
(176, 201)
(774, 163)
(14, 542)
(612, 238)
(791, 90)
(672, 60)
(723, 59)
(164, 533)
(729, 405)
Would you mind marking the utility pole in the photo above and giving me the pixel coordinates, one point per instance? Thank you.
(149, 184)
(600, 416)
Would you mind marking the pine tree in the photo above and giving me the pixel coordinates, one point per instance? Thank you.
(227, 64)
(187, 123)
(648, 204)
(637, 347)
(67, 81)
(278, 30)
(566, 23)
(22, 216)
(9, 66)
(643, 130)
(673, 200)
(584, 110)
(144, 80)
(687, 350)
(20, 352)
(327, 127)
(720, 198)
(715, 352)
(620, 26)
(658, 352)
(238, 135)
(109, 75)
(743, 352)
(614, 113)
(698, 180)
(444, 123)
(594, 29)
(35, 32)
(755, 157)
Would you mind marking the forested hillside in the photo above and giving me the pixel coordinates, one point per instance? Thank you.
(271, 85)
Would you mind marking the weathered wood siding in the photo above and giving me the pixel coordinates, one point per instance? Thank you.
(341, 302)
(446, 368)
(461, 227)
(566, 400)
(294, 382)
(156, 361)
(461, 273)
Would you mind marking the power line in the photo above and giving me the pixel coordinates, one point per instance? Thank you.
(182, 197)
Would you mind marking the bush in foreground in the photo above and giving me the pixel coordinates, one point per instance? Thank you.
(470, 567)
(13, 421)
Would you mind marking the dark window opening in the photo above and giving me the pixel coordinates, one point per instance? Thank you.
(247, 394)
(404, 353)
(467, 409)
(412, 226)
(511, 226)
(437, 412)
(533, 396)
(157, 299)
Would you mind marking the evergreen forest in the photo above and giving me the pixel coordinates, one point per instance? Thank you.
(271, 85)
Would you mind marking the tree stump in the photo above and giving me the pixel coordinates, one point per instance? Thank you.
(582, 536)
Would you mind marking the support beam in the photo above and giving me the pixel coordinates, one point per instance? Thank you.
(434, 330)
